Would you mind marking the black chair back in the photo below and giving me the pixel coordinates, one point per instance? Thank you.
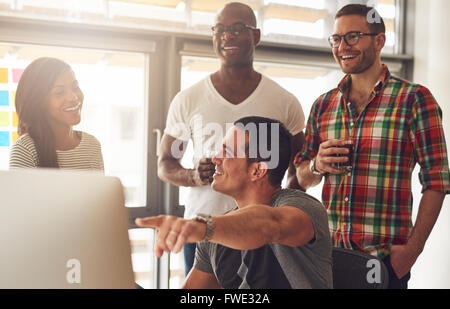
(356, 270)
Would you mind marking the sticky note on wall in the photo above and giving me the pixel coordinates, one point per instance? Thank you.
(15, 119)
(17, 74)
(4, 138)
(4, 98)
(4, 119)
(3, 75)
(15, 136)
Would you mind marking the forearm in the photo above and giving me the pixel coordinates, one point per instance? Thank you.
(169, 167)
(429, 209)
(306, 179)
(173, 172)
(296, 146)
(292, 182)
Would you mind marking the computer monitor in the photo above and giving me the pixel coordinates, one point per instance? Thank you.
(63, 229)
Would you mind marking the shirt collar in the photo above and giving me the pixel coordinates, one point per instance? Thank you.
(346, 82)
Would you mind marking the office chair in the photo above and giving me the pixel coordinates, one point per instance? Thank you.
(357, 270)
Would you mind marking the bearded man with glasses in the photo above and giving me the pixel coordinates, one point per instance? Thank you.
(365, 138)
(236, 90)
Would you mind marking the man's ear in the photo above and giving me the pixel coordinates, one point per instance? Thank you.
(380, 41)
(258, 170)
(256, 36)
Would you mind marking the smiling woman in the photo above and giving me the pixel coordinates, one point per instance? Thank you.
(48, 104)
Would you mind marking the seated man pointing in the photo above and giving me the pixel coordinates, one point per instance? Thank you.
(275, 238)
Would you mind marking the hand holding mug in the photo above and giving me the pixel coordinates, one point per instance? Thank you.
(334, 156)
(203, 174)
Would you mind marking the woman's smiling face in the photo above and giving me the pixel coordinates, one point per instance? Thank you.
(65, 100)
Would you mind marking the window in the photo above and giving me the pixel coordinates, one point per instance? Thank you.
(112, 36)
(143, 257)
(300, 22)
(118, 119)
(312, 20)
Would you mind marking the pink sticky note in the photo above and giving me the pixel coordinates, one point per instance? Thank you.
(17, 74)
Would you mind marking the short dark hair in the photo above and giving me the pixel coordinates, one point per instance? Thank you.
(374, 19)
(283, 139)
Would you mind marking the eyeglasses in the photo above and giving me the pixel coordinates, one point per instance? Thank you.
(351, 38)
(235, 29)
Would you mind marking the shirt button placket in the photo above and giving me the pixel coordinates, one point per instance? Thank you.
(352, 123)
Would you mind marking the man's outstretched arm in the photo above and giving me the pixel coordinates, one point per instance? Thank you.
(245, 229)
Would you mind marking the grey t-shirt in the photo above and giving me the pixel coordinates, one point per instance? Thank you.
(275, 266)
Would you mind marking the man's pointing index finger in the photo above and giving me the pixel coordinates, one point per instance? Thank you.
(151, 222)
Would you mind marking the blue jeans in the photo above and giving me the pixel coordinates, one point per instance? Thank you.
(189, 255)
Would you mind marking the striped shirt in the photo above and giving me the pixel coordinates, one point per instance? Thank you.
(86, 156)
(369, 208)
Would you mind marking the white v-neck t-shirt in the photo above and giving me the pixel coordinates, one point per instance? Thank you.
(202, 115)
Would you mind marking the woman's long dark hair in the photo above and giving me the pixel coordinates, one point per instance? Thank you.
(31, 96)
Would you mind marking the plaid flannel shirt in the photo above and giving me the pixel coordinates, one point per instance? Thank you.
(369, 208)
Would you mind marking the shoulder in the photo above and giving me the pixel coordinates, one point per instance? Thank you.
(189, 99)
(89, 139)
(26, 141)
(310, 206)
(193, 91)
(295, 196)
(23, 153)
(327, 97)
(302, 201)
(403, 86)
(415, 94)
(89, 143)
(24, 145)
(401, 82)
(272, 86)
(325, 101)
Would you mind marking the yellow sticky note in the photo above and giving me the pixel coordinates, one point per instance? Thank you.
(4, 119)
(3, 75)
(15, 136)
(15, 119)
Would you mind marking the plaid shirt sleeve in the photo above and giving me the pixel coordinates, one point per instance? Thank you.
(312, 134)
(429, 142)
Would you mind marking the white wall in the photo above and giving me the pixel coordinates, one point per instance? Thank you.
(432, 69)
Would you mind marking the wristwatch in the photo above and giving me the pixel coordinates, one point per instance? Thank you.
(312, 167)
(209, 225)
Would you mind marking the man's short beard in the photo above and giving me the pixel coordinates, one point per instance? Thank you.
(367, 62)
